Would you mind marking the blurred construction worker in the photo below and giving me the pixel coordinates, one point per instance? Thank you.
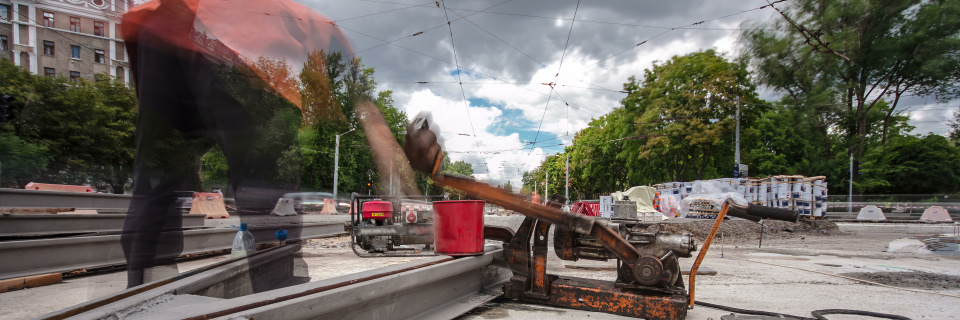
(195, 73)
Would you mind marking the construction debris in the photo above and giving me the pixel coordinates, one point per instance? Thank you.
(805, 195)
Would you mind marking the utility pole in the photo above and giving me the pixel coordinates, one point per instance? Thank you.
(567, 177)
(546, 187)
(736, 155)
(850, 197)
(336, 164)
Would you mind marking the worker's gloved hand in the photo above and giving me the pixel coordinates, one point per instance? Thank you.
(422, 148)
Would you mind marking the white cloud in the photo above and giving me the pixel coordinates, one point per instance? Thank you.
(931, 118)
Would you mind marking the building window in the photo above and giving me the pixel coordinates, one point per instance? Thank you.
(120, 74)
(4, 13)
(74, 24)
(50, 72)
(98, 28)
(48, 48)
(75, 52)
(48, 19)
(99, 57)
(74, 76)
(3, 43)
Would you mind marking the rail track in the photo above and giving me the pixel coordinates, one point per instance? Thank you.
(438, 287)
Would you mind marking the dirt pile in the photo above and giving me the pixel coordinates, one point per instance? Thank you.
(746, 230)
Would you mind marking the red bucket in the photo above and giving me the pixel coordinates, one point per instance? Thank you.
(458, 227)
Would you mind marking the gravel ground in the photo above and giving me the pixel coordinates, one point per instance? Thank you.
(909, 279)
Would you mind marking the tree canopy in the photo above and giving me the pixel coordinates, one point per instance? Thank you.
(67, 132)
(677, 124)
(846, 60)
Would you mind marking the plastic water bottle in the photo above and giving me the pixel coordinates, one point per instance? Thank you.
(243, 243)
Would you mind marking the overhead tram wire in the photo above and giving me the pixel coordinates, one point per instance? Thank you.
(460, 67)
(373, 14)
(451, 63)
(456, 64)
(617, 23)
(683, 27)
(510, 83)
(498, 38)
(505, 150)
(426, 30)
(596, 113)
(466, 104)
(591, 84)
(559, 67)
(420, 53)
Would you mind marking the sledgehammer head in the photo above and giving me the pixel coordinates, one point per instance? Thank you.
(421, 146)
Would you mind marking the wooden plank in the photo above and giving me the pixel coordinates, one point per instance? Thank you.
(30, 282)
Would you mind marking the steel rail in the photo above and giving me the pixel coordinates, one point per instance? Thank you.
(35, 198)
(150, 290)
(31, 257)
(438, 287)
(19, 225)
(441, 291)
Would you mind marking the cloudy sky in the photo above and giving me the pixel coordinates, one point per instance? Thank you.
(504, 118)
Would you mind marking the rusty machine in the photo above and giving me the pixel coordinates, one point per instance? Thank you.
(387, 226)
(648, 284)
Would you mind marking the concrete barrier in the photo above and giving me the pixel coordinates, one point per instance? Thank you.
(57, 187)
(329, 207)
(209, 204)
(936, 214)
(284, 207)
(871, 213)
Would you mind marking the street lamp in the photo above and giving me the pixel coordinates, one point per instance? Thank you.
(336, 164)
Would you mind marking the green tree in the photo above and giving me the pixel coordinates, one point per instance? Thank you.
(331, 89)
(680, 120)
(594, 152)
(86, 127)
(846, 58)
(459, 167)
(552, 165)
(20, 162)
(913, 165)
(507, 186)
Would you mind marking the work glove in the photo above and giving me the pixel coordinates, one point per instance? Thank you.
(421, 147)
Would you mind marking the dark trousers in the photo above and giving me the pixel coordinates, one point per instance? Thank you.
(186, 107)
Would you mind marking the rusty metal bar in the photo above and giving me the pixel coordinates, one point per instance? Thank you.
(539, 284)
(706, 246)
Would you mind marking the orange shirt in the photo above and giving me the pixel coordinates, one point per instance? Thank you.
(245, 29)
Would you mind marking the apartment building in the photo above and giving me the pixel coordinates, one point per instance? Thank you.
(68, 38)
